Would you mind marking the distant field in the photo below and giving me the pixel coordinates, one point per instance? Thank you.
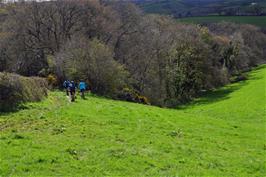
(253, 20)
(200, 7)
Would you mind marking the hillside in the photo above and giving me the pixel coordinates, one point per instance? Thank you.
(220, 134)
(123, 53)
(185, 8)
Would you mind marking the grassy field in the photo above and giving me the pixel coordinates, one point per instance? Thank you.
(220, 134)
(253, 20)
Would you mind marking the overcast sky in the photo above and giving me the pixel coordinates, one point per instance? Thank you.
(25, 0)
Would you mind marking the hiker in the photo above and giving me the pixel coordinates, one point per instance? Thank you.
(66, 85)
(82, 88)
(72, 91)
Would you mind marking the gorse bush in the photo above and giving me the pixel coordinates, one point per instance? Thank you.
(131, 95)
(15, 89)
(52, 80)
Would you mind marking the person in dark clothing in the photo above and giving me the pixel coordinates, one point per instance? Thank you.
(72, 90)
(66, 85)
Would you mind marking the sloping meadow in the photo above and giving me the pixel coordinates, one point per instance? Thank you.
(220, 134)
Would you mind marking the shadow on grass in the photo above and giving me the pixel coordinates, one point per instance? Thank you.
(217, 95)
(224, 92)
(14, 109)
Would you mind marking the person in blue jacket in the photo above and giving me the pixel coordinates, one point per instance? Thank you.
(82, 88)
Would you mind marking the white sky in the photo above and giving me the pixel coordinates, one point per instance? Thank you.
(25, 0)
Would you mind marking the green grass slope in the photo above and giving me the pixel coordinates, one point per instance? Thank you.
(253, 20)
(220, 134)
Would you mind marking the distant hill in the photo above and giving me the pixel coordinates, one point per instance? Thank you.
(187, 8)
(259, 21)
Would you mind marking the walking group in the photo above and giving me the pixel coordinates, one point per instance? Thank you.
(70, 87)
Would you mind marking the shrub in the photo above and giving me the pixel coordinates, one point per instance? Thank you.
(131, 95)
(52, 80)
(15, 89)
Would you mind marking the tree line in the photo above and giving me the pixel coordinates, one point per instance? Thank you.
(123, 53)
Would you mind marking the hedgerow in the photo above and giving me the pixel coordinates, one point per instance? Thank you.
(16, 89)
